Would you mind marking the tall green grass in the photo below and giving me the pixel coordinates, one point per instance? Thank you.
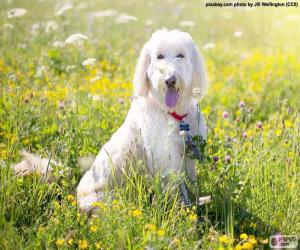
(252, 160)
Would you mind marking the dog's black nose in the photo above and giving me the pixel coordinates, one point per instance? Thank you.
(170, 82)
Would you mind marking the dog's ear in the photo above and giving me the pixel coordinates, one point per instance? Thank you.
(200, 81)
(140, 80)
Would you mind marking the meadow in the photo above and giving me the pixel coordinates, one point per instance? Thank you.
(64, 101)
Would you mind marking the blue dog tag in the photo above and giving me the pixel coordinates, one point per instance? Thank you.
(184, 126)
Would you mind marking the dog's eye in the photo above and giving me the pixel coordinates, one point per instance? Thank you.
(160, 56)
(180, 55)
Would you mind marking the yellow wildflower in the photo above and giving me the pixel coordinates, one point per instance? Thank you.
(160, 233)
(288, 124)
(93, 229)
(98, 245)
(252, 239)
(278, 132)
(70, 241)
(238, 247)
(224, 239)
(247, 246)
(193, 217)
(78, 215)
(70, 198)
(136, 213)
(238, 112)
(83, 244)
(150, 227)
(243, 236)
(26, 141)
(206, 111)
(99, 205)
(59, 242)
(285, 144)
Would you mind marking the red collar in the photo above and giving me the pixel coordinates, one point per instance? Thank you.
(176, 116)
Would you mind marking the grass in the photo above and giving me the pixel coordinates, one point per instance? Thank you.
(252, 165)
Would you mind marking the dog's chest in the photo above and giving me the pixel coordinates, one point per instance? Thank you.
(161, 141)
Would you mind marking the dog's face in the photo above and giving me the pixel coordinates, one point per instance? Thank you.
(170, 67)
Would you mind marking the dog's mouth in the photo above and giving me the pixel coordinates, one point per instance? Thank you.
(171, 97)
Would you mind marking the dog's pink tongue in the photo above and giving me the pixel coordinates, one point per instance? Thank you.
(171, 98)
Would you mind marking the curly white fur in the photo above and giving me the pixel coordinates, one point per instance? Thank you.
(149, 132)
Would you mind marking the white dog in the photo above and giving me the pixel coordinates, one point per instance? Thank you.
(168, 70)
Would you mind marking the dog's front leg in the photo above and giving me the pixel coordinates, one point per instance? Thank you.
(108, 165)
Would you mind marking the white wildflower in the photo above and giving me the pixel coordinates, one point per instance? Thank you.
(238, 33)
(16, 12)
(124, 18)
(89, 62)
(209, 46)
(35, 28)
(187, 23)
(70, 68)
(60, 10)
(204, 200)
(73, 39)
(58, 44)
(51, 26)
